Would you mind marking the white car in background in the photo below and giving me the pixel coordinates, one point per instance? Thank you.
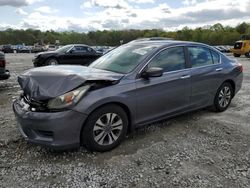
(51, 47)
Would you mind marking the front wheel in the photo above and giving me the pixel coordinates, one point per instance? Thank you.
(223, 97)
(105, 128)
(52, 61)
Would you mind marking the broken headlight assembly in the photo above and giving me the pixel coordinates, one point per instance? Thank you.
(68, 99)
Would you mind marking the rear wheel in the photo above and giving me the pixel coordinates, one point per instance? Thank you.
(236, 55)
(105, 128)
(52, 61)
(223, 97)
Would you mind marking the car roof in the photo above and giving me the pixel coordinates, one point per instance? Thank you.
(165, 42)
(85, 45)
(243, 41)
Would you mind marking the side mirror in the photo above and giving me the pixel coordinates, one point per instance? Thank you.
(152, 72)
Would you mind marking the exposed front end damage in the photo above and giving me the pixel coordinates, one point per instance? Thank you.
(44, 111)
(57, 130)
(49, 82)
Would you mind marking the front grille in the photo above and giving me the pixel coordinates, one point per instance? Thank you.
(238, 45)
(39, 106)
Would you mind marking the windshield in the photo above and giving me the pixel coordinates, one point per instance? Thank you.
(64, 48)
(124, 58)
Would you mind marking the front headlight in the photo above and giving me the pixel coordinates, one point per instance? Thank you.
(68, 99)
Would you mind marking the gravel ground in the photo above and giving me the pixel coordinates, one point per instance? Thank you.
(199, 149)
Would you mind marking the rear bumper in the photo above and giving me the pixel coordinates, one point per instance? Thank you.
(5, 75)
(56, 130)
(238, 82)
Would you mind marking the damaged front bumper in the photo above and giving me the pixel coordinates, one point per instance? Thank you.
(57, 130)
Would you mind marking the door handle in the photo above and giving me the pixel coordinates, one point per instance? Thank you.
(219, 69)
(185, 77)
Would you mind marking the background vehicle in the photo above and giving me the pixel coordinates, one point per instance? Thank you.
(75, 54)
(223, 49)
(8, 49)
(4, 74)
(242, 47)
(103, 49)
(23, 49)
(51, 48)
(133, 85)
(38, 48)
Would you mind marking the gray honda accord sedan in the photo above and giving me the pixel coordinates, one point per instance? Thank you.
(135, 84)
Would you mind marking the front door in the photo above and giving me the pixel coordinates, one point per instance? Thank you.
(168, 94)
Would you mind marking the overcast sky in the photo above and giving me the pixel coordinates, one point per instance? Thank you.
(88, 15)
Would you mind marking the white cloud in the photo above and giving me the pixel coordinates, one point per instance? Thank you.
(18, 3)
(121, 14)
(21, 11)
(189, 2)
(141, 1)
(33, 1)
(86, 4)
(119, 4)
(46, 10)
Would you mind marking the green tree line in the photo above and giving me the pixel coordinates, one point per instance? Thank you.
(213, 35)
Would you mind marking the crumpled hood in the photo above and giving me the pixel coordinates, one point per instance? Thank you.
(48, 82)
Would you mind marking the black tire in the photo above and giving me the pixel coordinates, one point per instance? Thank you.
(247, 54)
(89, 135)
(219, 106)
(236, 55)
(51, 61)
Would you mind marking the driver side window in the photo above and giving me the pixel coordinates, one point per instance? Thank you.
(171, 59)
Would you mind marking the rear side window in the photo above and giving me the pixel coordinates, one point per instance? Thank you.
(216, 57)
(200, 56)
(80, 49)
(90, 50)
(171, 59)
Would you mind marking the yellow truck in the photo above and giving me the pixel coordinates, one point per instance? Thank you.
(242, 47)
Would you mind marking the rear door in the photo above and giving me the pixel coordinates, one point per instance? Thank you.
(84, 55)
(91, 56)
(168, 94)
(72, 57)
(206, 75)
(80, 55)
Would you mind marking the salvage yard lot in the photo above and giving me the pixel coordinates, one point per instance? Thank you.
(199, 149)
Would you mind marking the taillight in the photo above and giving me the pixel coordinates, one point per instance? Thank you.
(2, 63)
(240, 67)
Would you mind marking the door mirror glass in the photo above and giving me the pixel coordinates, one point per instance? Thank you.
(152, 72)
